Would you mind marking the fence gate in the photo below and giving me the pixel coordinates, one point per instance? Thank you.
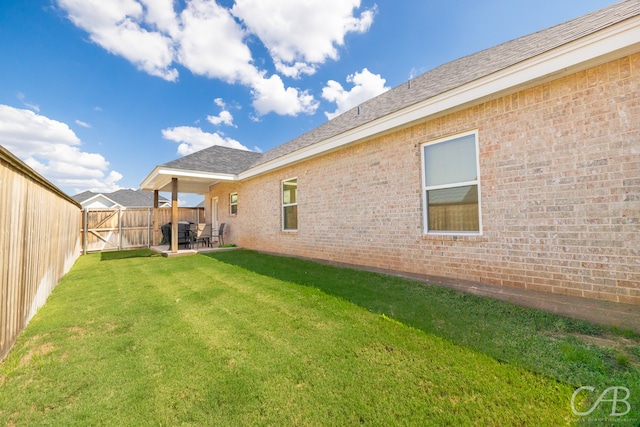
(117, 229)
(127, 228)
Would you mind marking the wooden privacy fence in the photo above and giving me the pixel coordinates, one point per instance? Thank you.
(39, 242)
(126, 228)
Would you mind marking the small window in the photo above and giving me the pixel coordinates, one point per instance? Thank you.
(451, 185)
(290, 204)
(233, 203)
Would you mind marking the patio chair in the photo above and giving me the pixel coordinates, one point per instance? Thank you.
(219, 235)
(203, 234)
(187, 235)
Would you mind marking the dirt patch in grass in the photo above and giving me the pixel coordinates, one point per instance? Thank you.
(623, 351)
(109, 327)
(77, 331)
(35, 353)
(626, 351)
(607, 341)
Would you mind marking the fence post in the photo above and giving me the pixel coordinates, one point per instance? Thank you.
(120, 229)
(85, 229)
(155, 224)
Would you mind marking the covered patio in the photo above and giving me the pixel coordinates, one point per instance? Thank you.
(196, 173)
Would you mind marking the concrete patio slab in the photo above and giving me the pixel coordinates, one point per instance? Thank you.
(165, 250)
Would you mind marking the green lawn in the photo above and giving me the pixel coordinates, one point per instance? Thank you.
(242, 338)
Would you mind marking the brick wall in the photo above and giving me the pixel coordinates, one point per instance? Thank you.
(560, 186)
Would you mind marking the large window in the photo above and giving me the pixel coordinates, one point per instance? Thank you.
(290, 204)
(451, 185)
(233, 203)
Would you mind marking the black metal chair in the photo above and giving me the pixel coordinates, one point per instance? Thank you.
(186, 237)
(218, 235)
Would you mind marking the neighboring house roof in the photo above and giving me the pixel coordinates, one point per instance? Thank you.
(575, 45)
(81, 197)
(89, 199)
(135, 198)
(125, 198)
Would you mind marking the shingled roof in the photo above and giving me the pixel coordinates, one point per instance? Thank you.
(134, 198)
(85, 195)
(216, 158)
(568, 47)
(124, 197)
(458, 73)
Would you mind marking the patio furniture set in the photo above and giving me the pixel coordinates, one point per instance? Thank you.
(191, 235)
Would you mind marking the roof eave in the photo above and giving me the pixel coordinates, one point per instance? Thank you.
(96, 197)
(600, 47)
(189, 181)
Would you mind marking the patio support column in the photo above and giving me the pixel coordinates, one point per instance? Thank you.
(174, 215)
(156, 226)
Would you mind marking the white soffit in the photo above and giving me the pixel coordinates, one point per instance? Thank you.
(189, 181)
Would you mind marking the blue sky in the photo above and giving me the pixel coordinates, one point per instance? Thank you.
(94, 93)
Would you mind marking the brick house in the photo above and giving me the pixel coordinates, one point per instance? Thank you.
(515, 166)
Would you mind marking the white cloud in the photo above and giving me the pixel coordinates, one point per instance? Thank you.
(270, 95)
(300, 34)
(117, 26)
(224, 117)
(162, 16)
(83, 124)
(211, 40)
(103, 184)
(52, 149)
(211, 44)
(194, 139)
(366, 85)
(295, 70)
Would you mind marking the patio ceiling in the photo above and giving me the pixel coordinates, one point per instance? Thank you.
(189, 181)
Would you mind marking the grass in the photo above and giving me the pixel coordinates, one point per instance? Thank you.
(242, 338)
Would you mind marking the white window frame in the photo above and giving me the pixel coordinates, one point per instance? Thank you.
(285, 205)
(231, 204)
(425, 188)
